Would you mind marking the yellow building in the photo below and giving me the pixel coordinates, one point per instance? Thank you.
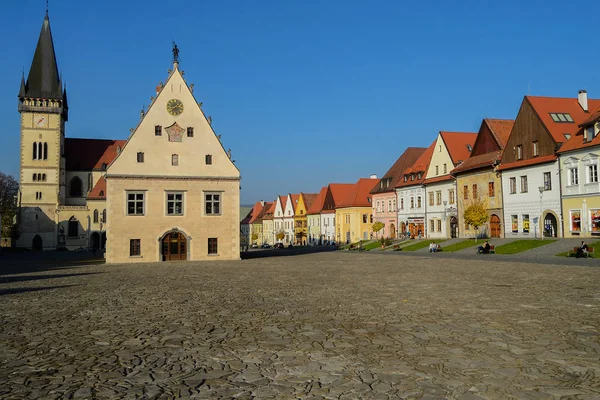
(354, 214)
(305, 200)
(478, 180)
(173, 192)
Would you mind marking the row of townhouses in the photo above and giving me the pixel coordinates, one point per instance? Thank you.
(536, 176)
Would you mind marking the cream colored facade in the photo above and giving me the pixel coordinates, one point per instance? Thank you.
(195, 167)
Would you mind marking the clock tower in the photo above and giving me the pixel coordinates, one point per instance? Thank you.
(44, 111)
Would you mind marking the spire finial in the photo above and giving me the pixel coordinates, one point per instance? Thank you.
(46, 8)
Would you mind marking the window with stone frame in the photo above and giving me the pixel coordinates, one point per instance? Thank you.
(175, 203)
(438, 197)
(431, 198)
(419, 204)
(573, 176)
(491, 191)
(592, 173)
(213, 246)
(474, 190)
(431, 226)
(135, 247)
(135, 203)
(451, 196)
(466, 192)
(212, 203)
(439, 225)
(547, 181)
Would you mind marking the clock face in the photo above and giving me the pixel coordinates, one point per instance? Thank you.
(175, 107)
(40, 121)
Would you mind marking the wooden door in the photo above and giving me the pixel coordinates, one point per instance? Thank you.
(495, 226)
(174, 247)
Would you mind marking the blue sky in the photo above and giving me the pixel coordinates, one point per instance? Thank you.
(304, 92)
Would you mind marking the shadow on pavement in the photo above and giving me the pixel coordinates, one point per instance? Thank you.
(294, 251)
(27, 278)
(22, 263)
(35, 289)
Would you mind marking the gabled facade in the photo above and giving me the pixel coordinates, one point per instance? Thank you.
(268, 224)
(354, 214)
(313, 218)
(256, 228)
(477, 175)
(173, 191)
(529, 165)
(291, 202)
(451, 149)
(245, 231)
(578, 160)
(410, 193)
(278, 218)
(384, 195)
(305, 200)
(336, 193)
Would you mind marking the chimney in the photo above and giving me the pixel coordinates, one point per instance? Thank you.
(158, 89)
(582, 98)
(262, 203)
(374, 176)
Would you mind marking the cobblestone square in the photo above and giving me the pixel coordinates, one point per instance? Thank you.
(322, 326)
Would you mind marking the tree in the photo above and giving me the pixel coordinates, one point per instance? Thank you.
(254, 237)
(476, 215)
(377, 226)
(280, 235)
(9, 189)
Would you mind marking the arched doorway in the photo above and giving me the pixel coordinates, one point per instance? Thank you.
(392, 231)
(453, 227)
(550, 225)
(174, 247)
(95, 241)
(37, 243)
(494, 226)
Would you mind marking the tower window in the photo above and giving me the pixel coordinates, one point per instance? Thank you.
(95, 216)
(157, 130)
(45, 151)
(208, 159)
(73, 227)
(35, 157)
(76, 187)
(104, 216)
(34, 177)
(140, 157)
(190, 132)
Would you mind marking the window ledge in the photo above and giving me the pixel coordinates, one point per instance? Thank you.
(214, 255)
(136, 256)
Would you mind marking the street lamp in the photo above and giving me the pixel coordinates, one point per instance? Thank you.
(541, 221)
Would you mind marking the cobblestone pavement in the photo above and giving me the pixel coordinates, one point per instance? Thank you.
(334, 325)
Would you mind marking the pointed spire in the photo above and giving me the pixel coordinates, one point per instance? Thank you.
(43, 79)
(22, 90)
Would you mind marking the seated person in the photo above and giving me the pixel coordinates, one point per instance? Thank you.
(432, 247)
(582, 250)
(485, 249)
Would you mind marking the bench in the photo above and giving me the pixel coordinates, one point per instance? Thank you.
(588, 253)
(492, 249)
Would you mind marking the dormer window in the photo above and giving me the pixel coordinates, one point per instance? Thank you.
(405, 178)
(567, 136)
(101, 194)
(588, 134)
(419, 176)
(412, 177)
(469, 147)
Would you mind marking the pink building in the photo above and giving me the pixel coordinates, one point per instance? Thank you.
(384, 194)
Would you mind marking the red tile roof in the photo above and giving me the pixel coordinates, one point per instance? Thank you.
(270, 211)
(338, 192)
(421, 165)
(309, 199)
(295, 197)
(477, 162)
(576, 141)
(359, 195)
(543, 106)
(317, 204)
(436, 179)
(408, 158)
(256, 209)
(99, 190)
(247, 218)
(501, 129)
(528, 162)
(90, 154)
(459, 144)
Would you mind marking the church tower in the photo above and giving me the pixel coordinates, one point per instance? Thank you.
(44, 111)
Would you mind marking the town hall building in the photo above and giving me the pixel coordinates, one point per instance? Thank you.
(168, 192)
